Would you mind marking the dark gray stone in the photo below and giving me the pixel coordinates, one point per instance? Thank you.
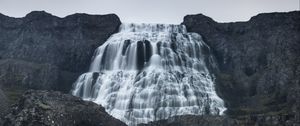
(249, 120)
(259, 61)
(49, 108)
(24, 74)
(4, 107)
(66, 45)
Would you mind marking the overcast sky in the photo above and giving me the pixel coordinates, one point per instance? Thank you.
(152, 11)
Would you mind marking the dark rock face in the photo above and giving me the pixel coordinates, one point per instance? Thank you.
(253, 120)
(42, 51)
(43, 108)
(28, 74)
(3, 104)
(259, 61)
(190, 120)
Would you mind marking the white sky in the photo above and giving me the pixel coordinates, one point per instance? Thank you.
(152, 11)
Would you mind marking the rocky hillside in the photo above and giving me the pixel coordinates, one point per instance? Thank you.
(42, 51)
(259, 61)
(49, 108)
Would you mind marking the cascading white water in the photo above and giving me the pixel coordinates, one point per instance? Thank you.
(150, 72)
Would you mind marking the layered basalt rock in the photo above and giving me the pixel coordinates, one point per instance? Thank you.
(42, 51)
(64, 43)
(259, 61)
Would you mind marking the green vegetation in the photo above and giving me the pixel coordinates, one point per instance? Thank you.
(43, 105)
(13, 94)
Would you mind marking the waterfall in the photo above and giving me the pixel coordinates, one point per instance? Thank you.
(149, 72)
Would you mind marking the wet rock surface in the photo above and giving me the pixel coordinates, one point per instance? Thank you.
(50, 108)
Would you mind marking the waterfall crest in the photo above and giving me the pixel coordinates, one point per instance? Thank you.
(149, 72)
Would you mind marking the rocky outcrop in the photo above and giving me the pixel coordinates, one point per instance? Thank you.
(259, 61)
(42, 51)
(44, 108)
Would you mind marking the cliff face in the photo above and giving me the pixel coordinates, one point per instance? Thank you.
(258, 70)
(259, 61)
(257, 77)
(48, 108)
(3, 104)
(42, 51)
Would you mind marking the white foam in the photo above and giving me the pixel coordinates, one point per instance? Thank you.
(174, 80)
